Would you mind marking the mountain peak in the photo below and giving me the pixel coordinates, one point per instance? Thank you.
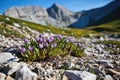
(58, 12)
(56, 5)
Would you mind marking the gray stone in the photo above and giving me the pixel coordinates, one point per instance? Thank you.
(79, 75)
(25, 74)
(14, 66)
(14, 50)
(7, 57)
(95, 71)
(108, 63)
(108, 77)
(68, 64)
(91, 62)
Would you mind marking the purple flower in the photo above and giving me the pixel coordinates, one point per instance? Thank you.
(79, 44)
(40, 46)
(54, 45)
(25, 40)
(59, 36)
(23, 50)
(83, 45)
(30, 48)
(49, 40)
(46, 44)
(39, 40)
(22, 45)
(69, 39)
(41, 35)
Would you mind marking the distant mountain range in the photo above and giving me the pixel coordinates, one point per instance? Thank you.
(59, 16)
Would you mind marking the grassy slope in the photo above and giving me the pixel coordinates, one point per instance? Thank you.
(109, 27)
(41, 28)
(113, 27)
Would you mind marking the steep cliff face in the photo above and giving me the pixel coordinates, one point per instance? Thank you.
(26, 11)
(56, 15)
(63, 16)
(59, 16)
(58, 12)
(96, 14)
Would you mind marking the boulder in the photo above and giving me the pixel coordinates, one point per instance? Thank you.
(108, 77)
(79, 75)
(95, 71)
(7, 57)
(14, 50)
(25, 74)
(14, 66)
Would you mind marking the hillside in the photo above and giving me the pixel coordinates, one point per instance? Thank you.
(11, 26)
(108, 18)
(112, 27)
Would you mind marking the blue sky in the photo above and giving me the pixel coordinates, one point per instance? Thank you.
(74, 5)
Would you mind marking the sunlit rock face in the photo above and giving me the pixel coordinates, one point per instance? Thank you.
(58, 16)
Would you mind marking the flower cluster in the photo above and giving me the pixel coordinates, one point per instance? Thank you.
(46, 47)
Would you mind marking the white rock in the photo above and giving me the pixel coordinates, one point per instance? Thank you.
(88, 52)
(14, 66)
(8, 19)
(16, 24)
(7, 57)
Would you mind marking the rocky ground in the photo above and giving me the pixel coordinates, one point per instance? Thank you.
(98, 64)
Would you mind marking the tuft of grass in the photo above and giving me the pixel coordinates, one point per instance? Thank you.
(9, 32)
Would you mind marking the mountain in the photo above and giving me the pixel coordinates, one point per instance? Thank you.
(114, 15)
(31, 13)
(63, 16)
(94, 15)
(58, 12)
(59, 16)
(56, 15)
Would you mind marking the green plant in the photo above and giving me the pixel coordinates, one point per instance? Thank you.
(47, 47)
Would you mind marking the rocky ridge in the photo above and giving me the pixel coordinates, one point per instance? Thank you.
(59, 16)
